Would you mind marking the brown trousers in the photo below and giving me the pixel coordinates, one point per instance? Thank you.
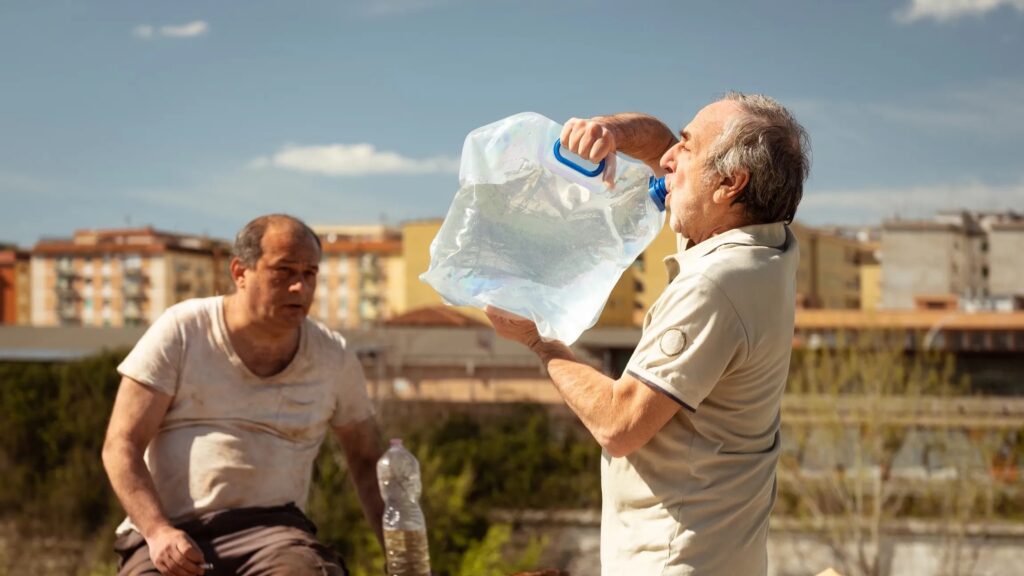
(277, 541)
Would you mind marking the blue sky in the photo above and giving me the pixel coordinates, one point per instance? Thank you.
(196, 116)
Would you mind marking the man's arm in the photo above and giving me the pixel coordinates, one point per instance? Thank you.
(641, 136)
(135, 420)
(622, 415)
(362, 444)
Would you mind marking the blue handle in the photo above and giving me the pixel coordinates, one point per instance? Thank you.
(575, 166)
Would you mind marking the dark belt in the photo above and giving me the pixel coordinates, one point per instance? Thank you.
(223, 522)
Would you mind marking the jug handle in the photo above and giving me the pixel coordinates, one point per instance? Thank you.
(573, 165)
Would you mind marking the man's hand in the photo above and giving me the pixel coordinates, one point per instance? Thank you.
(592, 140)
(512, 327)
(174, 552)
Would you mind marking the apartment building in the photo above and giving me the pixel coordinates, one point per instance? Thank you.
(838, 268)
(15, 287)
(361, 279)
(972, 256)
(122, 277)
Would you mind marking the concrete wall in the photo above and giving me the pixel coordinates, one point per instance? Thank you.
(1006, 261)
(927, 261)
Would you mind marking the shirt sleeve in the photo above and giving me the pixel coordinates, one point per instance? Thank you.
(691, 339)
(352, 402)
(155, 361)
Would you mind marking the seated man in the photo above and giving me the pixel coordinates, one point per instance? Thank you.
(221, 412)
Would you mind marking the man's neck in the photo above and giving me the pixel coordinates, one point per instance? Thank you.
(729, 221)
(263, 349)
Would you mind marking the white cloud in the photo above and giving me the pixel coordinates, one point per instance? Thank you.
(920, 201)
(352, 160)
(945, 10)
(190, 30)
(144, 31)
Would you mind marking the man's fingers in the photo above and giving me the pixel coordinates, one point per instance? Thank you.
(566, 131)
(183, 564)
(584, 147)
(609, 171)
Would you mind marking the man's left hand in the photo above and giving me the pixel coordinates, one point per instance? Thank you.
(513, 327)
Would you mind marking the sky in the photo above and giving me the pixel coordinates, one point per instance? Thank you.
(194, 117)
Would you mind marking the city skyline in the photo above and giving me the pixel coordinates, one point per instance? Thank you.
(194, 117)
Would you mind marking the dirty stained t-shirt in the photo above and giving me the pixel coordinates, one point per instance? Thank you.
(232, 439)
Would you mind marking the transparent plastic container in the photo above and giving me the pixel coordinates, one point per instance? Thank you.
(538, 234)
(405, 528)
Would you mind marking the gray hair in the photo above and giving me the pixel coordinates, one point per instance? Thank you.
(248, 247)
(773, 147)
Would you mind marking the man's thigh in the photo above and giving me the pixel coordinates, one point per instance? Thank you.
(283, 551)
(263, 551)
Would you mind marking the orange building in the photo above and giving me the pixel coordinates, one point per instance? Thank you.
(15, 290)
(122, 277)
(361, 279)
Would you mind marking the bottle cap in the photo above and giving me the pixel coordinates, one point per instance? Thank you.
(396, 441)
(656, 188)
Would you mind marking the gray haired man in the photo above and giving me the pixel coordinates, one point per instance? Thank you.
(690, 431)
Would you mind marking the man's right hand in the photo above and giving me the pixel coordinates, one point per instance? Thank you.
(592, 140)
(174, 552)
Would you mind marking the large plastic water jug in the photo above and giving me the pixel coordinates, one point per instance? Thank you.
(535, 231)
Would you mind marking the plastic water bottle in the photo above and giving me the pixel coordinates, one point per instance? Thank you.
(536, 233)
(405, 529)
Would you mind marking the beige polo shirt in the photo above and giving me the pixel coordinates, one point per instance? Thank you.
(230, 438)
(696, 498)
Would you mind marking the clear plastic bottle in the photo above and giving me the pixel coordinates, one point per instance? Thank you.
(533, 232)
(405, 529)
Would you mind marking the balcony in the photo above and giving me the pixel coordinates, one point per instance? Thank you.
(68, 314)
(134, 291)
(66, 292)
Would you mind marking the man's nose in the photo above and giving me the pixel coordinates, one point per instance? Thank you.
(668, 160)
(300, 284)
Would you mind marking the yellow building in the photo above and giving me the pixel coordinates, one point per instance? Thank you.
(830, 272)
(122, 277)
(870, 284)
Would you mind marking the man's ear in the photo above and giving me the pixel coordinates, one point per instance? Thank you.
(731, 186)
(238, 272)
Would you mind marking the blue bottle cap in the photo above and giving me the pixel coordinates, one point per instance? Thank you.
(656, 188)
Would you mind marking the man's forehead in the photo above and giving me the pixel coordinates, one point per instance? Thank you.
(711, 119)
(283, 240)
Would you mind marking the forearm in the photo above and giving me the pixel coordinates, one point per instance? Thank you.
(364, 478)
(641, 136)
(134, 487)
(588, 393)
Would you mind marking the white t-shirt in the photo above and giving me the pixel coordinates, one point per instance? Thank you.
(232, 439)
(696, 499)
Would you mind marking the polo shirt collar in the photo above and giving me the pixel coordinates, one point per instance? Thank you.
(770, 235)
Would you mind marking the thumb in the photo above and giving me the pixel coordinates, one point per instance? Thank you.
(609, 171)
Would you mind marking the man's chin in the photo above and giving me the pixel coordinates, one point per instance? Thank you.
(295, 314)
